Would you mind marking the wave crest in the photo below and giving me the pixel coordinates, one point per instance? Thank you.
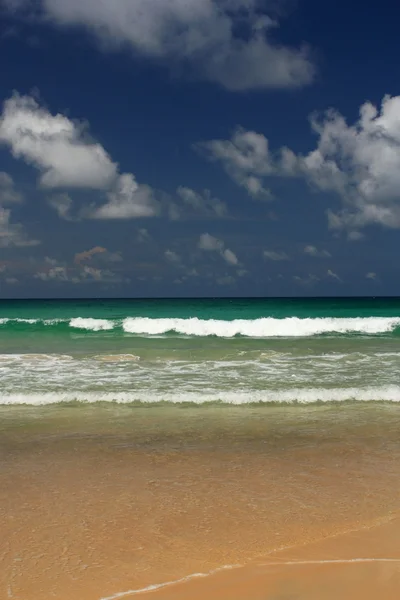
(266, 327)
(389, 393)
(263, 327)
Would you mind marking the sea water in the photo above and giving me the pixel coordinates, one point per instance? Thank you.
(227, 351)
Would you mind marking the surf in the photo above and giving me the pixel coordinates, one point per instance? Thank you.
(294, 396)
(264, 327)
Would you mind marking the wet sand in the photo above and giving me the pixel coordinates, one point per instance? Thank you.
(359, 565)
(98, 501)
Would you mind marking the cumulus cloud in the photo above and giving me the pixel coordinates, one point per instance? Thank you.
(128, 200)
(55, 274)
(209, 243)
(360, 163)
(275, 256)
(53, 270)
(203, 203)
(313, 251)
(245, 157)
(228, 42)
(67, 158)
(55, 145)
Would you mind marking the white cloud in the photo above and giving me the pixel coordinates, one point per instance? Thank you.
(371, 275)
(210, 243)
(230, 257)
(62, 204)
(54, 274)
(55, 145)
(313, 251)
(203, 203)
(54, 271)
(8, 193)
(275, 256)
(13, 234)
(355, 236)
(128, 200)
(50, 261)
(245, 157)
(172, 257)
(333, 275)
(360, 163)
(199, 36)
(61, 149)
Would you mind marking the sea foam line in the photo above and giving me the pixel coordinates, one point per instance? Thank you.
(288, 396)
(158, 586)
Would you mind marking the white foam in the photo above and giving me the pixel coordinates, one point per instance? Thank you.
(390, 393)
(28, 321)
(264, 327)
(158, 586)
(116, 357)
(92, 324)
(267, 327)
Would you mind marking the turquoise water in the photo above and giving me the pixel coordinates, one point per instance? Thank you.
(176, 351)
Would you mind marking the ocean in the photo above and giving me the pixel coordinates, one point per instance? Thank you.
(220, 351)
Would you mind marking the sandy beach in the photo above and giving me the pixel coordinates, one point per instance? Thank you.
(97, 502)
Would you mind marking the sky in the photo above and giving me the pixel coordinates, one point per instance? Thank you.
(189, 148)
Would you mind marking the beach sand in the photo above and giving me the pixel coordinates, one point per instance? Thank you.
(95, 502)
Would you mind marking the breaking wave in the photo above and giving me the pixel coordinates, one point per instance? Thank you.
(303, 396)
(194, 327)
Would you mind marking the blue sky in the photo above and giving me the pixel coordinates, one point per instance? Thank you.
(199, 148)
